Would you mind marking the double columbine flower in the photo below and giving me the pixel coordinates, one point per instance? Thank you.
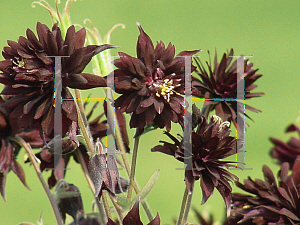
(286, 152)
(269, 203)
(210, 143)
(10, 149)
(220, 81)
(151, 84)
(28, 75)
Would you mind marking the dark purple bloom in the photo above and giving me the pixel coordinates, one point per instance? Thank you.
(210, 143)
(10, 149)
(220, 81)
(28, 75)
(151, 84)
(286, 152)
(267, 201)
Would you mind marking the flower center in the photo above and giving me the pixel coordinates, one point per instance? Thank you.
(166, 89)
(19, 63)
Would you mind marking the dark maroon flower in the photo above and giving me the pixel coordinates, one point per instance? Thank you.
(220, 81)
(151, 84)
(133, 218)
(28, 75)
(267, 201)
(10, 149)
(286, 152)
(8, 152)
(210, 143)
(69, 200)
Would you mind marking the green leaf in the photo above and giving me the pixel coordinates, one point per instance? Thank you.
(146, 189)
(123, 201)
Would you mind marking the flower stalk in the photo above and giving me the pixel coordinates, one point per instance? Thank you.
(83, 128)
(105, 203)
(182, 208)
(188, 207)
(133, 166)
(118, 208)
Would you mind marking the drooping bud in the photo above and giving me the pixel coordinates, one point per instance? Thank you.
(68, 199)
(104, 171)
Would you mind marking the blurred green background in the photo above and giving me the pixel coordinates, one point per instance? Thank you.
(268, 30)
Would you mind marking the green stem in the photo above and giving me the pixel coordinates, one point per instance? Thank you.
(188, 207)
(90, 182)
(182, 208)
(84, 129)
(118, 208)
(36, 167)
(105, 203)
(127, 167)
(81, 107)
(133, 166)
(102, 214)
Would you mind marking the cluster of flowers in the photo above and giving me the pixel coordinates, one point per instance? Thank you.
(151, 89)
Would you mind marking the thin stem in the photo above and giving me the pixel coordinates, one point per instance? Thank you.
(102, 214)
(145, 206)
(91, 185)
(127, 168)
(105, 203)
(84, 129)
(188, 207)
(36, 167)
(133, 166)
(182, 208)
(118, 208)
(81, 107)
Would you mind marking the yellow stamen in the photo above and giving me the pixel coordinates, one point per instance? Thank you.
(19, 63)
(167, 89)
